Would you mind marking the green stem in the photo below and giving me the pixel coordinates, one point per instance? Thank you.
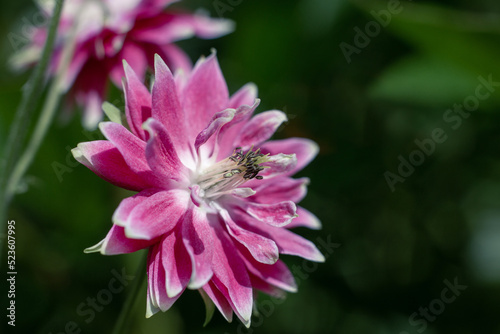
(31, 95)
(140, 277)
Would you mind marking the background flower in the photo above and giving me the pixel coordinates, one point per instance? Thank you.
(108, 32)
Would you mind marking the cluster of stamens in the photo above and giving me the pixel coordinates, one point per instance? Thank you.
(231, 172)
(249, 161)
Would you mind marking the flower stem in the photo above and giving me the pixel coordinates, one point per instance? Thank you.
(31, 94)
(140, 277)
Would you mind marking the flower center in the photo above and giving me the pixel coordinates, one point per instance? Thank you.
(231, 172)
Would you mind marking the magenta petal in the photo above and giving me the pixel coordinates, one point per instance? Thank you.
(304, 149)
(245, 95)
(134, 55)
(138, 102)
(305, 219)
(156, 280)
(279, 164)
(276, 214)
(131, 147)
(197, 235)
(198, 105)
(293, 244)
(161, 153)
(176, 262)
(262, 249)
(281, 189)
(153, 214)
(104, 159)
(230, 274)
(277, 274)
(260, 128)
(219, 300)
(212, 129)
(116, 242)
(166, 106)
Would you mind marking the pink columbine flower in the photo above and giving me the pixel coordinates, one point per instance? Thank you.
(215, 197)
(108, 31)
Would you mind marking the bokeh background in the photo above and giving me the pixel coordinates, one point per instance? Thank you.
(395, 249)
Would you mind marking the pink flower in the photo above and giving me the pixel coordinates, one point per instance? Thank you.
(215, 197)
(109, 31)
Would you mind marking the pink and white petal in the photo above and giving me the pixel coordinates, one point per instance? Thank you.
(260, 128)
(176, 262)
(275, 214)
(175, 58)
(279, 164)
(138, 102)
(206, 27)
(167, 109)
(229, 131)
(157, 214)
(91, 102)
(293, 244)
(230, 273)
(219, 300)
(157, 279)
(127, 205)
(281, 189)
(288, 242)
(263, 250)
(104, 159)
(245, 95)
(131, 147)
(211, 131)
(205, 94)
(116, 242)
(277, 275)
(198, 240)
(161, 154)
(261, 285)
(305, 219)
(304, 149)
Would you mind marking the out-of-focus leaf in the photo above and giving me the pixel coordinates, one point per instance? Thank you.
(419, 80)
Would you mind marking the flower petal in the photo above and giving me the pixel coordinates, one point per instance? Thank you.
(157, 279)
(197, 235)
(161, 154)
(104, 159)
(151, 214)
(176, 262)
(138, 102)
(281, 189)
(166, 106)
(116, 242)
(198, 105)
(305, 219)
(260, 128)
(262, 249)
(212, 129)
(304, 149)
(245, 95)
(275, 214)
(131, 147)
(230, 276)
(219, 300)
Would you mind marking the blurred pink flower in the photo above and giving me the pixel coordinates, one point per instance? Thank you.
(109, 31)
(215, 197)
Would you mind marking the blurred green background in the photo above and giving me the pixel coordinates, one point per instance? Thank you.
(398, 249)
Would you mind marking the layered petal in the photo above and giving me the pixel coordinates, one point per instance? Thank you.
(275, 214)
(230, 276)
(198, 239)
(305, 151)
(116, 242)
(176, 262)
(105, 160)
(305, 219)
(198, 105)
(263, 250)
(281, 189)
(161, 154)
(138, 102)
(260, 128)
(150, 214)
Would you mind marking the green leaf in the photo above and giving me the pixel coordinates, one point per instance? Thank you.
(114, 114)
(209, 306)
